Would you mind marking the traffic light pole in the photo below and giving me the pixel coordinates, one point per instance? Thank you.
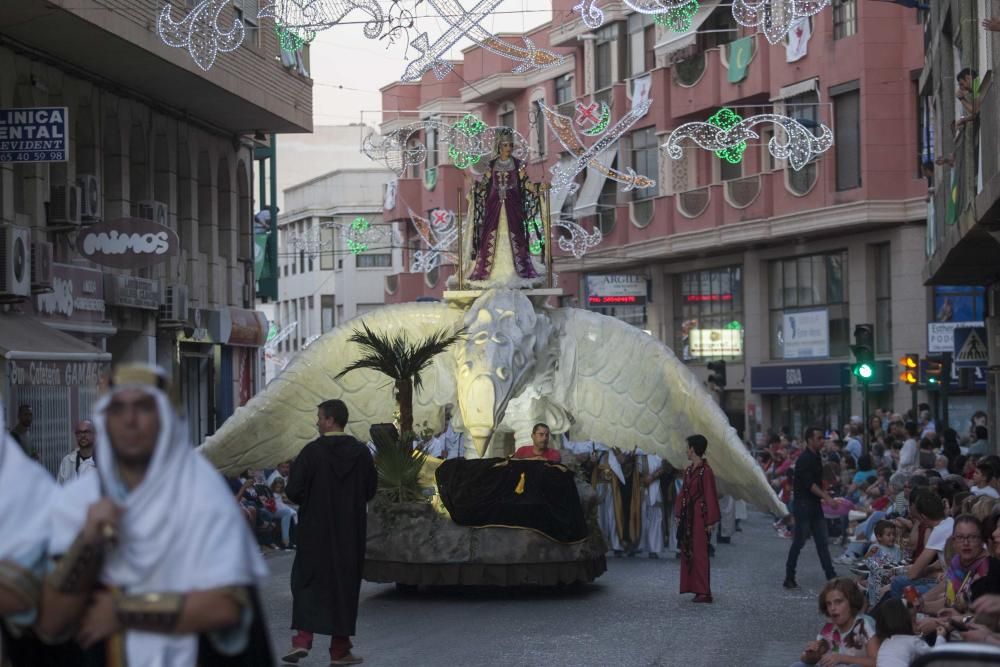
(864, 416)
(945, 383)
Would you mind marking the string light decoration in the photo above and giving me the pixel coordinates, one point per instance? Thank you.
(291, 39)
(535, 228)
(775, 17)
(725, 119)
(772, 17)
(310, 243)
(796, 143)
(440, 234)
(679, 19)
(562, 126)
(355, 235)
(471, 127)
(318, 15)
(580, 240)
(200, 33)
(402, 148)
(598, 123)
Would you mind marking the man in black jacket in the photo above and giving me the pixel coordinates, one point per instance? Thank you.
(807, 494)
(332, 480)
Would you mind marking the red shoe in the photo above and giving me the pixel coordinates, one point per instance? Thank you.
(703, 598)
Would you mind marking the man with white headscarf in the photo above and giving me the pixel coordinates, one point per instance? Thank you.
(25, 490)
(651, 540)
(158, 567)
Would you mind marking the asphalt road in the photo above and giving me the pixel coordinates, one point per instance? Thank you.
(632, 615)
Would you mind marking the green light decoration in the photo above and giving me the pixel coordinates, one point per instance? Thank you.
(534, 226)
(358, 226)
(678, 19)
(724, 119)
(734, 326)
(470, 126)
(292, 40)
(598, 128)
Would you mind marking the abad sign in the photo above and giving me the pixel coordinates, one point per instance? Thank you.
(127, 243)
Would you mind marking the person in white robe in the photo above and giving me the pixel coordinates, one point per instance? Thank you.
(651, 540)
(727, 522)
(607, 476)
(154, 565)
(25, 491)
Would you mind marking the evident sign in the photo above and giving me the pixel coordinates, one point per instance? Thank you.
(127, 243)
(34, 134)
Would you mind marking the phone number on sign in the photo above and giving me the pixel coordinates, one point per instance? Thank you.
(32, 156)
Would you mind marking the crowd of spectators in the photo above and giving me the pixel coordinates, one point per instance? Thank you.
(261, 496)
(918, 513)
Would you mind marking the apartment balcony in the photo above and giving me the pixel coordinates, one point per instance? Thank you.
(409, 193)
(757, 83)
(406, 287)
(244, 91)
(695, 86)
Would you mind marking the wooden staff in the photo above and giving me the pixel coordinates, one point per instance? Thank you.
(461, 249)
(547, 223)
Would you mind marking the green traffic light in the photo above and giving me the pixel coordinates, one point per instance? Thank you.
(932, 380)
(865, 372)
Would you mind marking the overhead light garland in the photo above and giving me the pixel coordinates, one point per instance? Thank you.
(678, 19)
(291, 39)
(772, 17)
(200, 33)
(775, 17)
(796, 143)
(440, 233)
(355, 243)
(469, 140)
(563, 175)
(580, 240)
(725, 119)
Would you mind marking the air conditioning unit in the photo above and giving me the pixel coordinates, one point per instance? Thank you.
(64, 204)
(15, 261)
(174, 309)
(90, 196)
(151, 210)
(41, 267)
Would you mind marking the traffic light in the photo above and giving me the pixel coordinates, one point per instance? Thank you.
(864, 353)
(911, 369)
(718, 376)
(939, 370)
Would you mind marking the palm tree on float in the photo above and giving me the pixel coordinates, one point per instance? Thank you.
(402, 361)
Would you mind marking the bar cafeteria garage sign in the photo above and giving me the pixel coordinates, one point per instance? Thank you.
(127, 243)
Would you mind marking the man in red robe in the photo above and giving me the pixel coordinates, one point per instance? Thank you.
(697, 512)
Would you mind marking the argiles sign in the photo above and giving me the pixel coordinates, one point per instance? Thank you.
(127, 243)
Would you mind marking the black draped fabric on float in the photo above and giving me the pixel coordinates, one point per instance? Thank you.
(509, 492)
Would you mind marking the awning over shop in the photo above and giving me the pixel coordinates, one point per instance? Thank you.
(24, 337)
(796, 89)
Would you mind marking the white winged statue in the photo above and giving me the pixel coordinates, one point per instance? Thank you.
(518, 364)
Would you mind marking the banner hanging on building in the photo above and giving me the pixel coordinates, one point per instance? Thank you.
(740, 53)
(806, 334)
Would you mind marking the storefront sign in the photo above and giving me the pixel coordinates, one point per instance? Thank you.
(127, 243)
(941, 335)
(806, 334)
(616, 289)
(798, 379)
(133, 292)
(56, 373)
(34, 134)
(715, 342)
(77, 295)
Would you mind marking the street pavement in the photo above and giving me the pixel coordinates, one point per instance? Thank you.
(631, 615)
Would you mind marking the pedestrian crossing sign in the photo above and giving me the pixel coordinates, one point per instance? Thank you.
(970, 347)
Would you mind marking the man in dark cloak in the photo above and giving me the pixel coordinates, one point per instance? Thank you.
(332, 480)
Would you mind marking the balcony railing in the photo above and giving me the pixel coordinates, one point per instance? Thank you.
(742, 192)
(693, 203)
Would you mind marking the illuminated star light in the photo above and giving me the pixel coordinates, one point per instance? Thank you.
(679, 19)
(775, 17)
(725, 119)
(796, 142)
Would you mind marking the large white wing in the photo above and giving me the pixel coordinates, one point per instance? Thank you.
(625, 388)
(277, 423)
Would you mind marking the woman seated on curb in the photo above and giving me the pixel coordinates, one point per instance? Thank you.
(969, 563)
(985, 593)
(924, 573)
(849, 637)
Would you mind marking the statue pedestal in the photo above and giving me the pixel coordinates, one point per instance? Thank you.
(464, 298)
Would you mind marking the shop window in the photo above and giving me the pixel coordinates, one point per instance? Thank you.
(803, 293)
(883, 299)
(708, 307)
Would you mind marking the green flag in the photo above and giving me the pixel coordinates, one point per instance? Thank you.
(740, 53)
(259, 255)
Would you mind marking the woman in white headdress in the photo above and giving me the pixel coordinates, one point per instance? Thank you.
(157, 565)
(25, 490)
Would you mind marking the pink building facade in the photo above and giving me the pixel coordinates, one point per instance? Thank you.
(753, 263)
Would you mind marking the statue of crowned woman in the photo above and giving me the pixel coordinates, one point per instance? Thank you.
(505, 210)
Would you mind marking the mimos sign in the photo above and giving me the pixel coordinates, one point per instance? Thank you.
(127, 243)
